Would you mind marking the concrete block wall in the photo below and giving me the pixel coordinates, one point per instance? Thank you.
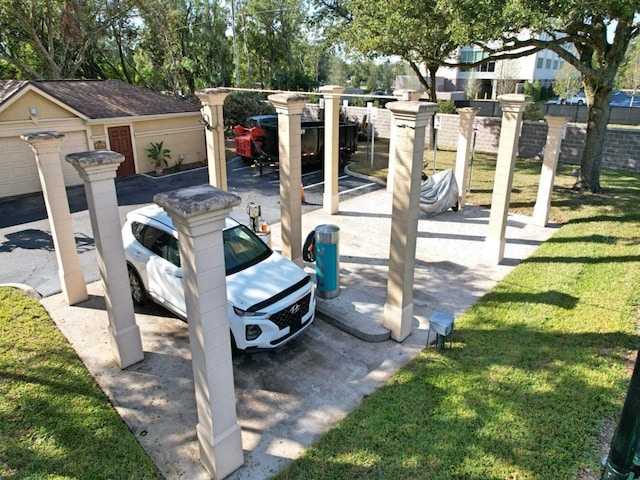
(621, 151)
(382, 124)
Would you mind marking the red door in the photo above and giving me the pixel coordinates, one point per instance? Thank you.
(120, 141)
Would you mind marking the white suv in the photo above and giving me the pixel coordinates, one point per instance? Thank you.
(270, 299)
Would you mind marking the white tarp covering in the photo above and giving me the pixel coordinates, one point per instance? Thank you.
(439, 193)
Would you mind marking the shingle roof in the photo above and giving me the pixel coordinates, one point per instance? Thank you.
(102, 98)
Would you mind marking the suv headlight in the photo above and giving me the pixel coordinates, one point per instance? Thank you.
(244, 313)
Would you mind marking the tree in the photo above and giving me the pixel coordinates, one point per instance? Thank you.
(51, 39)
(506, 77)
(417, 32)
(567, 82)
(629, 77)
(473, 86)
(591, 36)
(274, 32)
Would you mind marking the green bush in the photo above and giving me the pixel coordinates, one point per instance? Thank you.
(533, 112)
(447, 106)
(238, 106)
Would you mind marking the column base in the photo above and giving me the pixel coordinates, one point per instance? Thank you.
(223, 454)
(73, 287)
(331, 203)
(540, 216)
(398, 320)
(494, 250)
(126, 346)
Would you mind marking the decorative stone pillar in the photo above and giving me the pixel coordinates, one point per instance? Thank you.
(401, 95)
(46, 147)
(289, 108)
(513, 106)
(97, 169)
(465, 139)
(411, 120)
(212, 100)
(331, 147)
(555, 132)
(199, 214)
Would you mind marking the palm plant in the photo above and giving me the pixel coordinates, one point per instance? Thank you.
(158, 154)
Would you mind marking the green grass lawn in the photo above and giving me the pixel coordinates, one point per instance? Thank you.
(55, 422)
(538, 369)
(539, 366)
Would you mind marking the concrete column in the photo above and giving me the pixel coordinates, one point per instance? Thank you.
(212, 100)
(199, 214)
(555, 132)
(513, 106)
(465, 139)
(46, 147)
(289, 108)
(98, 169)
(331, 147)
(401, 95)
(411, 120)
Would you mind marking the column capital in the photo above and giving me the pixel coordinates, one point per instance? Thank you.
(96, 164)
(331, 89)
(34, 137)
(555, 121)
(467, 111)
(514, 102)
(189, 206)
(212, 96)
(288, 103)
(412, 113)
(407, 94)
(38, 140)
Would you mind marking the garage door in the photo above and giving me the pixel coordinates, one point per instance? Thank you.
(18, 171)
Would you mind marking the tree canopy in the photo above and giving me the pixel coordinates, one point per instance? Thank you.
(178, 46)
(591, 36)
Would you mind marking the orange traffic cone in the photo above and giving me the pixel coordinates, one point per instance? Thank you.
(302, 195)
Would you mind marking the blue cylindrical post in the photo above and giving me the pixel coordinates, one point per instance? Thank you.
(327, 260)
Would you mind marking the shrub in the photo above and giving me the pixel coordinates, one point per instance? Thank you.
(447, 106)
(238, 106)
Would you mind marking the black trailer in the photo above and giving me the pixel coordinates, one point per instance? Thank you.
(260, 140)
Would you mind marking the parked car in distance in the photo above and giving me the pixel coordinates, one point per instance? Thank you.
(270, 299)
(577, 99)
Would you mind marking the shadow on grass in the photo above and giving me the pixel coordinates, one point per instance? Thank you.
(507, 402)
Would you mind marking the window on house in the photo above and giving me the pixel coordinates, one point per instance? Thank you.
(555, 64)
(548, 64)
(487, 67)
(472, 56)
(539, 63)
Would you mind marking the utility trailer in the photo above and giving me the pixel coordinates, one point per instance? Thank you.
(258, 141)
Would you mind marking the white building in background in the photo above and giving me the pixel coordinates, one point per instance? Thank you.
(494, 76)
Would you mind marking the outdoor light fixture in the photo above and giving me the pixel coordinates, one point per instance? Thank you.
(34, 115)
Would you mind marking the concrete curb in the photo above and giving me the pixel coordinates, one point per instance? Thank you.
(361, 176)
(26, 289)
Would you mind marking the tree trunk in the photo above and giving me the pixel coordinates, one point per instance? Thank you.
(591, 163)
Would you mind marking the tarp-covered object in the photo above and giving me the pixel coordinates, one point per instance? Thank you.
(439, 193)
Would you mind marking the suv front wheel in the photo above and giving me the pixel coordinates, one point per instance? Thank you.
(137, 288)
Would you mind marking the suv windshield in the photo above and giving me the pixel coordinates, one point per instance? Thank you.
(242, 249)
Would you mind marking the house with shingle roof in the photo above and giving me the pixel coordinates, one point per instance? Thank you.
(92, 114)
